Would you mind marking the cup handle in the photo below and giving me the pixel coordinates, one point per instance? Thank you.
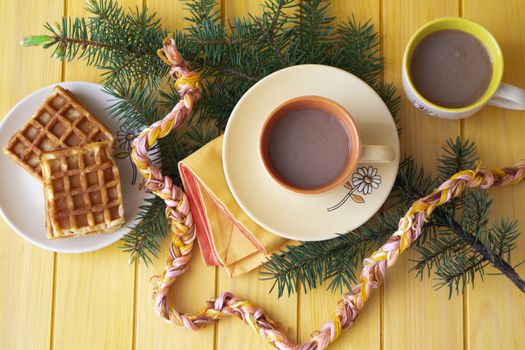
(509, 97)
(376, 154)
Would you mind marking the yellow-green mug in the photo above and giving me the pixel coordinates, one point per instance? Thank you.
(497, 94)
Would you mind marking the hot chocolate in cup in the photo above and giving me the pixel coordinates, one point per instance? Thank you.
(452, 67)
(311, 144)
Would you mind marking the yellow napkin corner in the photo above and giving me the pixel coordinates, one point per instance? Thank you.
(227, 236)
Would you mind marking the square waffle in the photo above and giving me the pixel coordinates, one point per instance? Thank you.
(82, 191)
(60, 122)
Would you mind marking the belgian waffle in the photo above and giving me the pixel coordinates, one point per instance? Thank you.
(82, 191)
(60, 122)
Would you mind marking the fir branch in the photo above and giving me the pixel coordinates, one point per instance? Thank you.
(388, 93)
(201, 134)
(507, 233)
(412, 182)
(124, 44)
(236, 73)
(476, 207)
(314, 262)
(457, 155)
(202, 11)
(359, 50)
(313, 26)
(217, 104)
(272, 23)
(305, 263)
(458, 271)
(134, 106)
(500, 238)
(434, 251)
(144, 239)
(473, 245)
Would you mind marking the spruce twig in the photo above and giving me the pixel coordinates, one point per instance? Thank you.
(336, 260)
(145, 238)
(496, 261)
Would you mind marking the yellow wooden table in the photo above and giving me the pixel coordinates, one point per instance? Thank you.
(98, 301)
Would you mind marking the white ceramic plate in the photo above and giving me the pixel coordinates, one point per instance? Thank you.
(21, 195)
(314, 217)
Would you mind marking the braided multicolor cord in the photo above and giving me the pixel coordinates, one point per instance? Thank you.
(227, 304)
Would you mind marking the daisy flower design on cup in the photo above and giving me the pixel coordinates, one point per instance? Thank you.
(364, 180)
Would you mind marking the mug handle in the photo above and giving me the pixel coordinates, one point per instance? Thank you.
(509, 97)
(377, 154)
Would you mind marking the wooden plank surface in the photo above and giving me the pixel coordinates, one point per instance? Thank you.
(415, 316)
(317, 306)
(26, 272)
(97, 301)
(496, 308)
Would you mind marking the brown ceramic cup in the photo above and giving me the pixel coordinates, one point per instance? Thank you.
(356, 151)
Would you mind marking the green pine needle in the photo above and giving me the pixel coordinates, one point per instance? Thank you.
(359, 51)
(144, 239)
(121, 43)
(457, 155)
(336, 260)
(135, 106)
(388, 93)
(458, 271)
(431, 254)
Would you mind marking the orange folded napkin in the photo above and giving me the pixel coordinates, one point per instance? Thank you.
(227, 236)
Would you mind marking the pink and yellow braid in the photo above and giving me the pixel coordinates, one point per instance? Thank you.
(227, 304)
